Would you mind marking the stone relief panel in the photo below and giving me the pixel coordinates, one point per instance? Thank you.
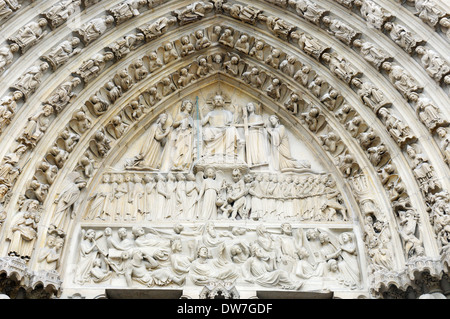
(216, 189)
(277, 256)
(137, 196)
(224, 157)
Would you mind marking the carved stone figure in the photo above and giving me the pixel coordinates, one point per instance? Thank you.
(64, 94)
(242, 44)
(187, 47)
(183, 135)
(7, 55)
(97, 104)
(302, 76)
(95, 28)
(308, 10)
(31, 79)
(294, 103)
(278, 26)
(127, 10)
(429, 114)
(49, 256)
(444, 143)
(185, 77)
(125, 45)
(167, 86)
(208, 195)
(67, 203)
(63, 52)
(9, 169)
(404, 82)
(227, 38)
(372, 53)
(117, 127)
(203, 270)
(80, 122)
(218, 136)
(434, 64)
(399, 131)
(257, 51)
(340, 30)
(280, 147)
(423, 171)
(260, 268)
(8, 107)
(91, 68)
(405, 38)
(157, 28)
(193, 12)
(371, 96)
(248, 14)
(340, 67)
(154, 62)
(100, 144)
(37, 190)
(123, 80)
(201, 40)
(288, 65)
(429, 11)
(170, 53)
(348, 263)
(36, 126)
(274, 58)
(30, 34)
(375, 15)
(88, 253)
(204, 67)
(23, 233)
(256, 148)
(408, 231)
(7, 8)
(150, 155)
(274, 89)
(445, 23)
(309, 44)
(61, 11)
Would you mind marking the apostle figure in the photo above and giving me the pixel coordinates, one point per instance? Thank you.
(256, 140)
(184, 143)
(208, 192)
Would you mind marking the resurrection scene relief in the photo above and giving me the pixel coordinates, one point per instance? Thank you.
(217, 190)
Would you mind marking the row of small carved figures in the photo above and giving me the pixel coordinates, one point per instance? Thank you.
(149, 257)
(302, 186)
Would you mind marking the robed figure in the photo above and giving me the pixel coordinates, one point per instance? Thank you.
(183, 138)
(67, 203)
(220, 135)
(151, 153)
(280, 147)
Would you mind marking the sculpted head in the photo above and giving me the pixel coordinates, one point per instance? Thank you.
(187, 106)
(274, 120)
(251, 107)
(218, 101)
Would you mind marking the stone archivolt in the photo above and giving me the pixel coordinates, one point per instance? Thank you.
(421, 220)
